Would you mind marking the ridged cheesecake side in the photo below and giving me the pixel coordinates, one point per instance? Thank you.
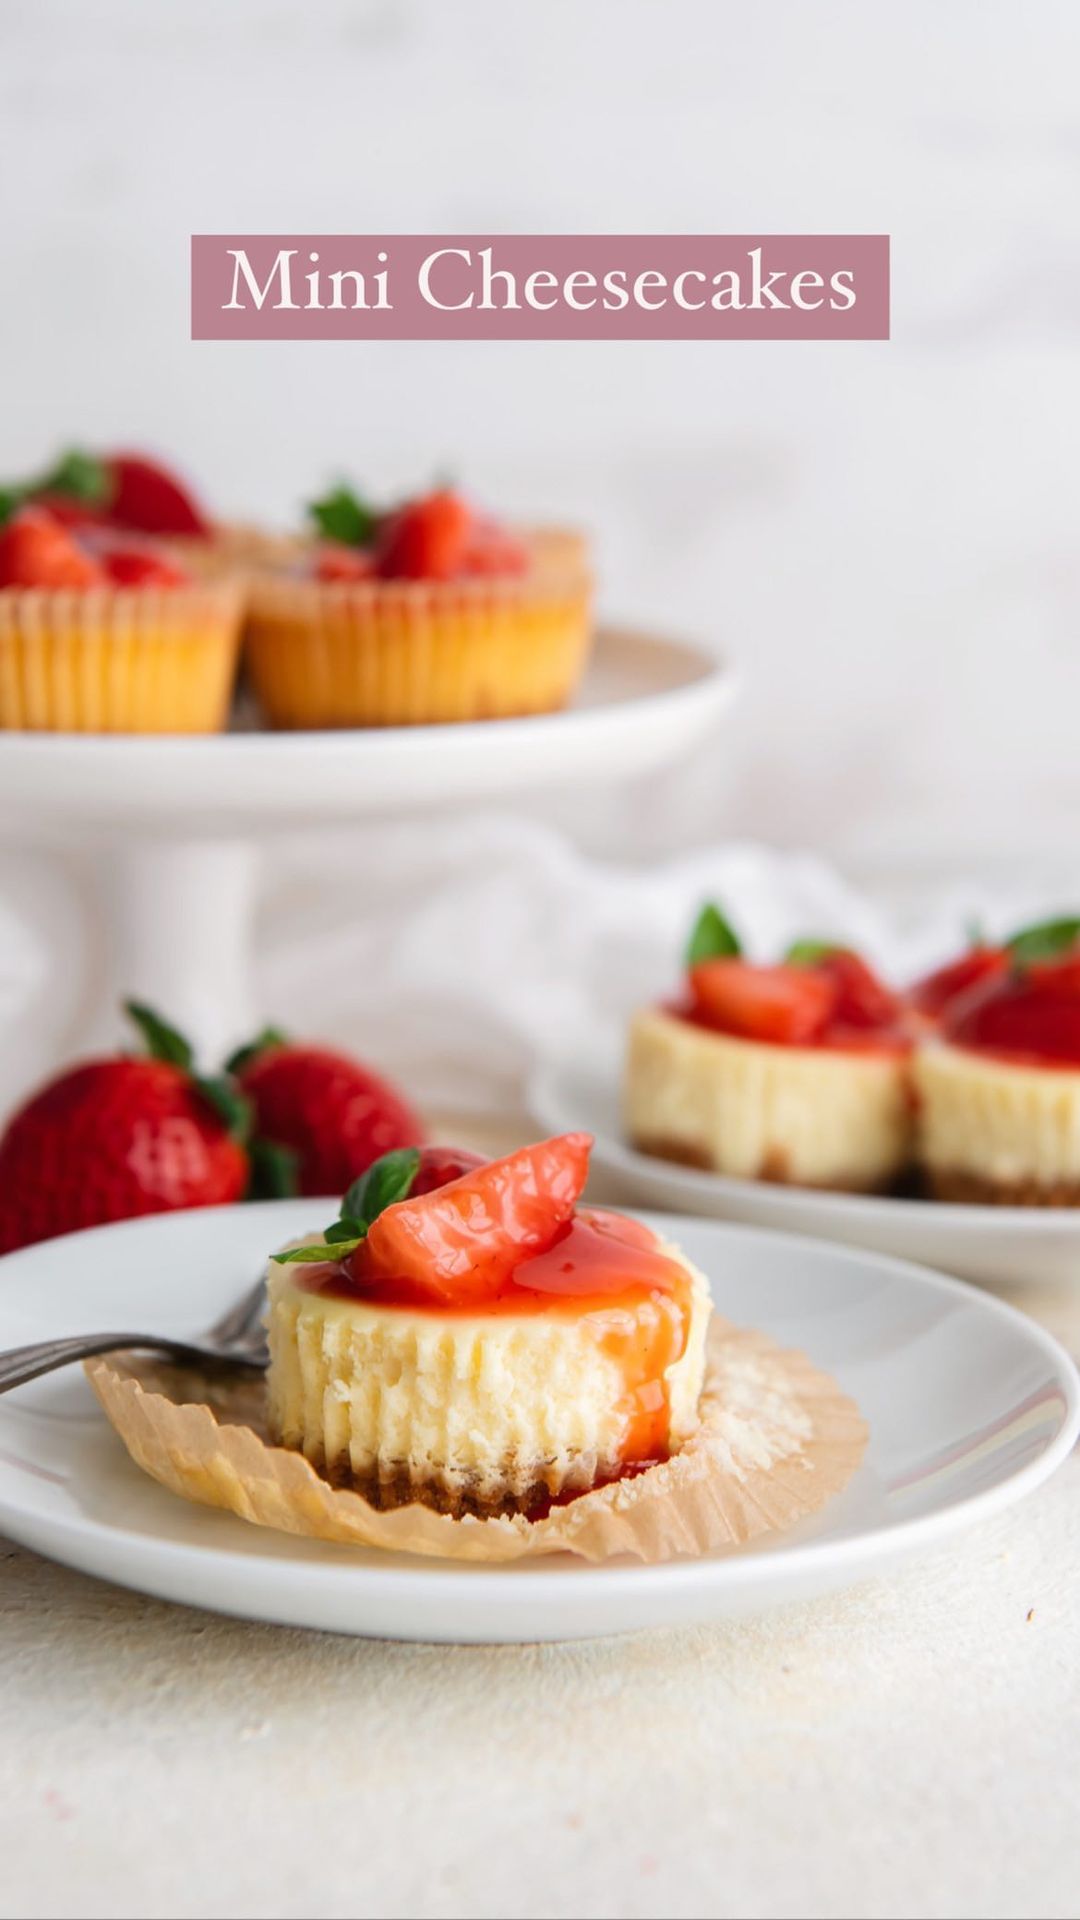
(992, 1130)
(811, 1116)
(471, 1413)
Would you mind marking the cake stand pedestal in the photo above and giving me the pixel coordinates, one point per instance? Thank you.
(176, 822)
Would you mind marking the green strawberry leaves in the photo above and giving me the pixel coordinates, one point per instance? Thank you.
(387, 1180)
(713, 937)
(230, 1105)
(162, 1041)
(262, 1043)
(342, 515)
(1047, 940)
(272, 1171)
(76, 476)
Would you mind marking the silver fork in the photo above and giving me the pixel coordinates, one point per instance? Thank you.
(236, 1340)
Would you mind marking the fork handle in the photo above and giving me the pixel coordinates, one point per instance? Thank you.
(20, 1364)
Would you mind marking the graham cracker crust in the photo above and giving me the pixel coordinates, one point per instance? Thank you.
(973, 1189)
(773, 1172)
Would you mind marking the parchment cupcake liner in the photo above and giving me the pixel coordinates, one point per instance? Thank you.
(402, 652)
(118, 659)
(777, 1439)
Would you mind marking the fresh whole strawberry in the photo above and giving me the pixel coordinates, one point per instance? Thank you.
(119, 1137)
(320, 1118)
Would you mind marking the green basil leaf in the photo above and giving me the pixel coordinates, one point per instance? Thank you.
(388, 1180)
(808, 953)
(345, 1229)
(1048, 940)
(342, 515)
(163, 1041)
(309, 1255)
(713, 937)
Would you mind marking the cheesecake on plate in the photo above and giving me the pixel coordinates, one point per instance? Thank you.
(486, 1345)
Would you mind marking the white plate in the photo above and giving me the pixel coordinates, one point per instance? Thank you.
(970, 1405)
(644, 700)
(1001, 1246)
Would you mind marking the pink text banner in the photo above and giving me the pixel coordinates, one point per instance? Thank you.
(341, 286)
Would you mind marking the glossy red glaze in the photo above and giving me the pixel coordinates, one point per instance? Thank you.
(1030, 1016)
(938, 991)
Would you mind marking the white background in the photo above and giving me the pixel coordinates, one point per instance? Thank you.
(885, 534)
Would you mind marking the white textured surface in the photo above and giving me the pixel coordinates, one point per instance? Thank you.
(909, 1748)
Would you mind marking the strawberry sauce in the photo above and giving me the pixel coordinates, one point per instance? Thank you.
(1031, 1017)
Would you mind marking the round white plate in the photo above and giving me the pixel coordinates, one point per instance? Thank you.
(643, 701)
(970, 1405)
(1002, 1246)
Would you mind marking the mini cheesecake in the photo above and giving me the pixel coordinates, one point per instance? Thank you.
(487, 1346)
(999, 1090)
(794, 1073)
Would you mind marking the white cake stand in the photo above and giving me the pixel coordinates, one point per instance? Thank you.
(177, 822)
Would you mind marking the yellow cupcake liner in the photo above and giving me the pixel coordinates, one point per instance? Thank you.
(118, 660)
(399, 653)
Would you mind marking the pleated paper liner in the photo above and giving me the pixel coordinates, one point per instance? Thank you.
(413, 652)
(777, 1439)
(118, 659)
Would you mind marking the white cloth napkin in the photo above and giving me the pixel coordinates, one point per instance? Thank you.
(478, 947)
(458, 953)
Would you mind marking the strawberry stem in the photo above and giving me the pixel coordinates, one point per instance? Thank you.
(162, 1041)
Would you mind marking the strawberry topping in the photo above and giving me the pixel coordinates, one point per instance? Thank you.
(36, 551)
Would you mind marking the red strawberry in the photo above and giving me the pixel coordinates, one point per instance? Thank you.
(789, 1005)
(439, 1165)
(330, 1112)
(149, 499)
(335, 562)
(862, 1000)
(36, 551)
(427, 539)
(120, 1137)
(462, 1242)
(937, 992)
(138, 567)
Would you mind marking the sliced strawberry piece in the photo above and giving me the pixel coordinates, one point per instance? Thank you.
(862, 1000)
(426, 540)
(334, 563)
(940, 989)
(789, 1005)
(134, 567)
(36, 551)
(462, 1243)
(150, 499)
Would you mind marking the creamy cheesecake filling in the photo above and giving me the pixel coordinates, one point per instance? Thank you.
(479, 1411)
(987, 1123)
(812, 1116)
